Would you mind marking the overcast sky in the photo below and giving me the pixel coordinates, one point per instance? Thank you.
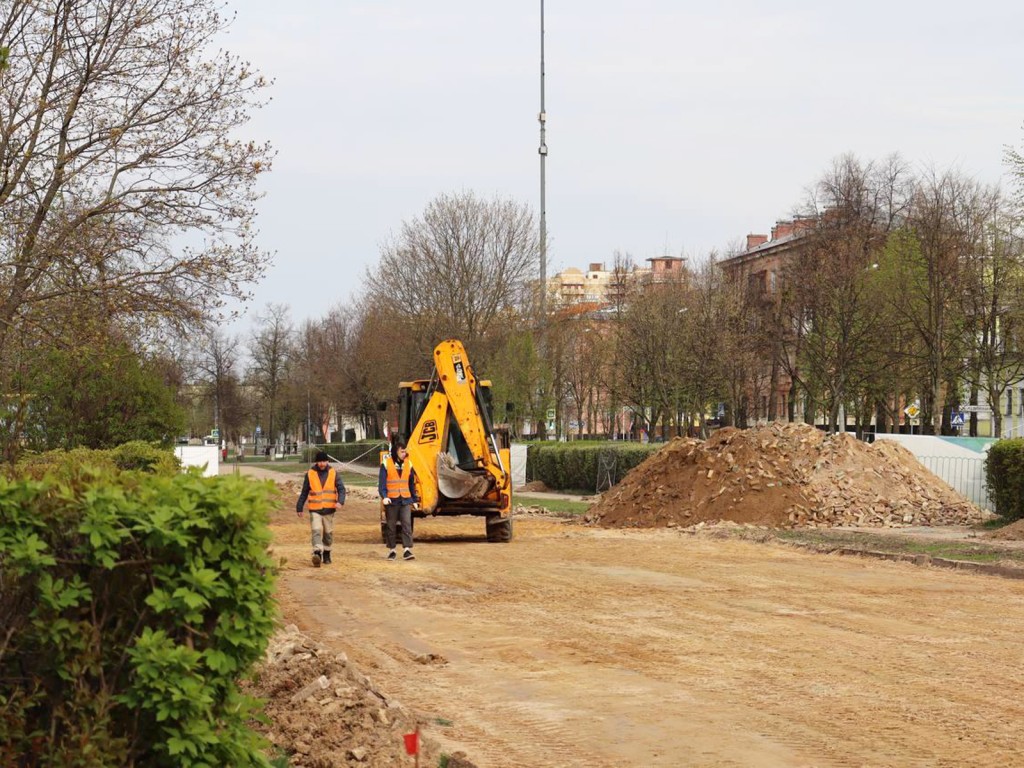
(673, 127)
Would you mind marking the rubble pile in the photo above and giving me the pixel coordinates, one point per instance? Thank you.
(323, 713)
(782, 475)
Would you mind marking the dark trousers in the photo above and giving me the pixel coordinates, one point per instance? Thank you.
(397, 512)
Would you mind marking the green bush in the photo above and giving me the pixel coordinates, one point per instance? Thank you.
(132, 603)
(128, 456)
(575, 466)
(1004, 476)
(146, 457)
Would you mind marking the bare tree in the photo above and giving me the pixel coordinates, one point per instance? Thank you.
(828, 307)
(271, 351)
(992, 299)
(118, 133)
(459, 271)
(217, 361)
(929, 255)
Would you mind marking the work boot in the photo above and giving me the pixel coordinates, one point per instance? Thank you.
(316, 558)
(408, 555)
(327, 557)
(392, 555)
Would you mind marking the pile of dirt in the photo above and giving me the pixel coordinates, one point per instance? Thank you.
(324, 713)
(537, 486)
(1012, 532)
(782, 475)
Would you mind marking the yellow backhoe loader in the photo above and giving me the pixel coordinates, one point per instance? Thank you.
(462, 460)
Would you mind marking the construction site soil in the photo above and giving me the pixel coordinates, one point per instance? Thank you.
(782, 475)
(582, 645)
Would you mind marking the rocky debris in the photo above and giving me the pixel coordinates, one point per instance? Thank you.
(324, 713)
(782, 475)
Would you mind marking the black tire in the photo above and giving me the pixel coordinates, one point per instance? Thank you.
(499, 529)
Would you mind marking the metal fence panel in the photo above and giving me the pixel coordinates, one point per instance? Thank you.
(965, 475)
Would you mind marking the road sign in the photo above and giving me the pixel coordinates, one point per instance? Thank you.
(258, 430)
(975, 408)
(215, 432)
(912, 411)
(956, 419)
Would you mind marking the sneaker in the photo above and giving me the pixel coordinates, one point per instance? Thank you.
(327, 557)
(316, 559)
(408, 555)
(392, 555)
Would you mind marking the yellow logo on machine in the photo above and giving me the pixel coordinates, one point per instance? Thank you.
(429, 433)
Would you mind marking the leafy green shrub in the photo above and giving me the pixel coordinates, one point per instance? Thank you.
(575, 466)
(146, 457)
(132, 603)
(1004, 476)
(128, 456)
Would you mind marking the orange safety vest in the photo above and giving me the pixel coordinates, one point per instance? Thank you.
(397, 485)
(322, 497)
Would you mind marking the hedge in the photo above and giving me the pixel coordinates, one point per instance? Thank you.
(131, 604)
(128, 456)
(1004, 476)
(580, 466)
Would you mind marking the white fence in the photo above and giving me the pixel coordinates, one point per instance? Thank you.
(207, 456)
(960, 462)
(965, 475)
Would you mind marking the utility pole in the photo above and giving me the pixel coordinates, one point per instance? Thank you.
(543, 151)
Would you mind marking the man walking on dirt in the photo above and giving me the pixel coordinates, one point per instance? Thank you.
(325, 490)
(396, 484)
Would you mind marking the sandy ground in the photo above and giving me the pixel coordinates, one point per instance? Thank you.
(576, 646)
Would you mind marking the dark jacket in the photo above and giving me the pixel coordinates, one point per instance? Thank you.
(339, 485)
(382, 482)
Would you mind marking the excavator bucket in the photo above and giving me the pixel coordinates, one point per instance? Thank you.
(457, 483)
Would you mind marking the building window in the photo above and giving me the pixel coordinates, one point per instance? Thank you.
(1009, 402)
(1020, 408)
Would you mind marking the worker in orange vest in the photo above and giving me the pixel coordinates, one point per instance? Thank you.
(396, 484)
(325, 490)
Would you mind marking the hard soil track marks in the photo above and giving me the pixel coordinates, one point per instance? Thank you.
(576, 646)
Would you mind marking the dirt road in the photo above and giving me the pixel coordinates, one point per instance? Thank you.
(580, 647)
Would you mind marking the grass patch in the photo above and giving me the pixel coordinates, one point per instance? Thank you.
(970, 551)
(555, 506)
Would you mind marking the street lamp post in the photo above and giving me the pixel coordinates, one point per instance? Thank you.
(543, 151)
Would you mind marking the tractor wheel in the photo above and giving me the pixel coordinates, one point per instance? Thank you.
(499, 529)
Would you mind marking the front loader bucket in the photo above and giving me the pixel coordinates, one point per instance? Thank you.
(457, 483)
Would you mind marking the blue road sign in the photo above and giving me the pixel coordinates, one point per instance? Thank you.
(956, 419)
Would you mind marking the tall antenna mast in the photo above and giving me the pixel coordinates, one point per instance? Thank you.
(543, 151)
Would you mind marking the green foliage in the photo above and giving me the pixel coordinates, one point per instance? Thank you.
(132, 603)
(1004, 476)
(66, 465)
(574, 466)
(145, 457)
(97, 398)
